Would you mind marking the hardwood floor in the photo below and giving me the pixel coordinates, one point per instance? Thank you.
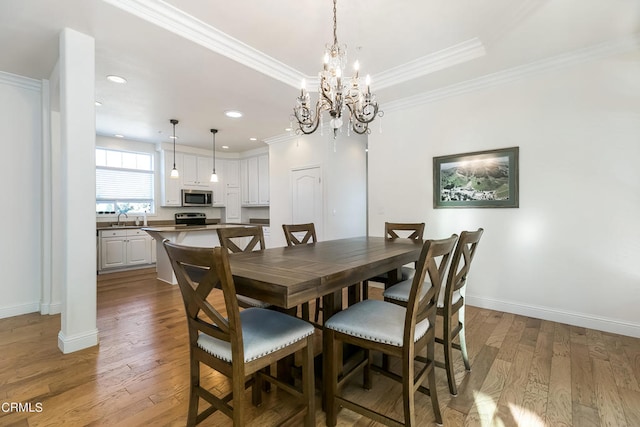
(525, 372)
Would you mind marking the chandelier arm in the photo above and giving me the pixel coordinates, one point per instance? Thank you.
(308, 123)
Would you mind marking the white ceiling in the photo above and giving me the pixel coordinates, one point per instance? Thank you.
(194, 59)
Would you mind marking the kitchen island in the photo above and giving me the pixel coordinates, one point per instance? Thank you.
(205, 236)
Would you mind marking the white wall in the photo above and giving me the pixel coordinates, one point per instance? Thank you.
(343, 174)
(570, 252)
(20, 250)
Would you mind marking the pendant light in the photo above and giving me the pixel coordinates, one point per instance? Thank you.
(214, 175)
(174, 171)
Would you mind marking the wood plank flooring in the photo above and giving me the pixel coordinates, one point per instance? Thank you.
(525, 371)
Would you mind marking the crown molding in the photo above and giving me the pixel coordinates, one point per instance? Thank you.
(445, 58)
(564, 60)
(20, 81)
(178, 22)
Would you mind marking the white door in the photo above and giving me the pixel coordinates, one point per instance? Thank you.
(306, 197)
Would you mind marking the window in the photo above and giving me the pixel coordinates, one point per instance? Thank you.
(124, 182)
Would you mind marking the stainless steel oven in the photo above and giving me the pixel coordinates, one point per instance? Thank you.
(197, 198)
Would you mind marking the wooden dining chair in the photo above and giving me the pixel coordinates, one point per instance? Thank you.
(450, 302)
(302, 234)
(243, 239)
(403, 332)
(398, 230)
(239, 344)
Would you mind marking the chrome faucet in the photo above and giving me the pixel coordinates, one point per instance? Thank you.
(122, 213)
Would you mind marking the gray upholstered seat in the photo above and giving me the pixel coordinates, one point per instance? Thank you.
(388, 320)
(400, 292)
(450, 302)
(263, 332)
(404, 332)
(241, 346)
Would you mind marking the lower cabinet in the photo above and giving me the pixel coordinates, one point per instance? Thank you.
(125, 248)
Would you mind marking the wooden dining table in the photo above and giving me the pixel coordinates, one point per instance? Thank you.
(287, 277)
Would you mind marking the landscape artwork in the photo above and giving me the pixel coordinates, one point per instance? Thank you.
(482, 179)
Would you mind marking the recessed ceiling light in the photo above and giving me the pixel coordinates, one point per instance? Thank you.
(287, 129)
(117, 135)
(253, 139)
(226, 147)
(98, 104)
(233, 114)
(116, 79)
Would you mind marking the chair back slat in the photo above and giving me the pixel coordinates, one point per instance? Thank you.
(292, 233)
(407, 230)
(198, 271)
(461, 262)
(433, 261)
(236, 239)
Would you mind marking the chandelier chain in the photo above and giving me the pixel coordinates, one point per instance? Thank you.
(335, 22)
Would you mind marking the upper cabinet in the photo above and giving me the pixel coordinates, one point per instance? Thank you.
(263, 180)
(250, 176)
(254, 177)
(196, 171)
(231, 172)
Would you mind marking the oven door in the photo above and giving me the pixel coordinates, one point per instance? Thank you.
(197, 198)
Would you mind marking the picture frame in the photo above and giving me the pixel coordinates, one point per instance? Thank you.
(481, 179)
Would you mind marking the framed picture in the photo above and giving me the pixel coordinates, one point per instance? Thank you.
(483, 179)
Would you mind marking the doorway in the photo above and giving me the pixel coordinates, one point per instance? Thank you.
(306, 197)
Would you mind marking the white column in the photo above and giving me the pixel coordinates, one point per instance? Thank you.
(77, 129)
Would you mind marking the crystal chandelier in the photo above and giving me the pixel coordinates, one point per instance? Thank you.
(337, 92)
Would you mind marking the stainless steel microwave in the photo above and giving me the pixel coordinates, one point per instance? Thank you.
(197, 198)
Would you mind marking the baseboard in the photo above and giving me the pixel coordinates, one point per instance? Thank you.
(77, 341)
(53, 308)
(571, 318)
(18, 310)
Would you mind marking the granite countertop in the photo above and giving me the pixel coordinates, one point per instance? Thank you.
(182, 228)
(151, 224)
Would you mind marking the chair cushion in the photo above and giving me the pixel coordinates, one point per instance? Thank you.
(375, 320)
(263, 332)
(400, 292)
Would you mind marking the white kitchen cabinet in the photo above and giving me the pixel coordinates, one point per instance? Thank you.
(231, 172)
(252, 178)
(254, 175)
(113, 249)
(196, 171)
(218, 188)
(263, 180)
(170, 188)
(233, 211)
(124, 248)
(266, 231)
(244, 181)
